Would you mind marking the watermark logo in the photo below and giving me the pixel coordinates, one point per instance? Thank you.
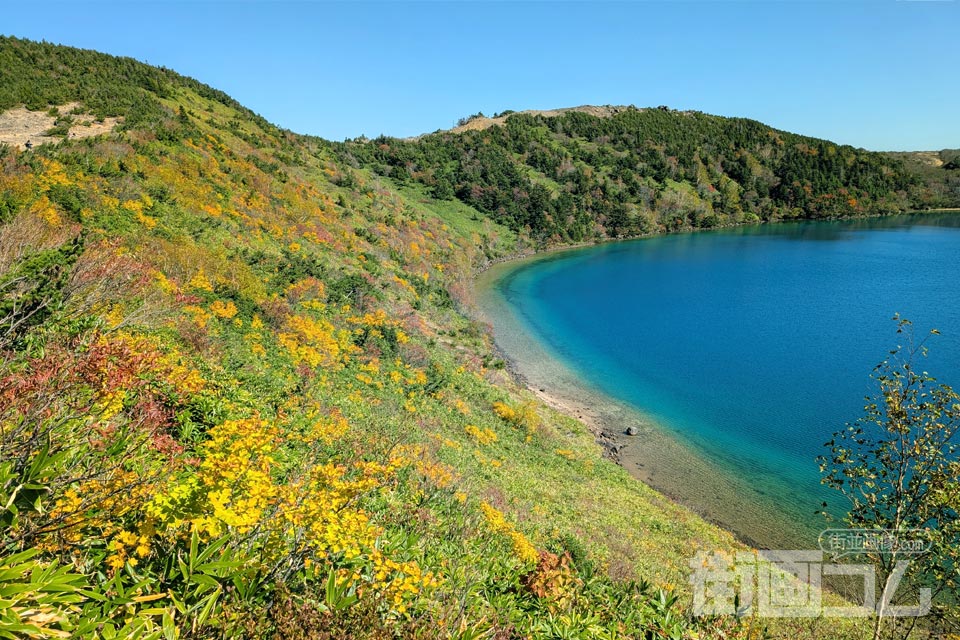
(838, 543)
(789, 584)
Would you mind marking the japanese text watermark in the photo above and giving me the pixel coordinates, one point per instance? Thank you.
(789, 584)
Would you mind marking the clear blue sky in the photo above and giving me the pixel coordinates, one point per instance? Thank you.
(879, 74)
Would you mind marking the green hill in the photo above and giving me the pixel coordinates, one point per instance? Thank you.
(241, 394)
(597, 172)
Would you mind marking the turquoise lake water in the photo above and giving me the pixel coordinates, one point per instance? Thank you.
(748, 347)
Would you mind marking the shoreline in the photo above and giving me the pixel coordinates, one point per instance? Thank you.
(657, 455)
(654, 456)
(531, 253)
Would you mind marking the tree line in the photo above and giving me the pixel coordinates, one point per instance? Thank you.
(577, 176)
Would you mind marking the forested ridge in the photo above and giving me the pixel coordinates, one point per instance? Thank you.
(574, 176)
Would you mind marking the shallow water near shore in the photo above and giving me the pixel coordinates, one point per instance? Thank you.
(736, 353)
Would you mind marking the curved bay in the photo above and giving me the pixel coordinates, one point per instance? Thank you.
(738, 352)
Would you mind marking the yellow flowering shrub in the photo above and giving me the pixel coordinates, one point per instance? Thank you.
(400, 582)
(441, 475)
(46, 211)
(232, 487)
(525, 416)
(315, 342)
(329, 428)
(319, 506)
(110, 404)
(127, 547)
(184, 378)
(97, 508)
(224, 310)
(522, 547)
(200, 282)
(481, 436)
(200, 315)
(164, 283)
(505, 412)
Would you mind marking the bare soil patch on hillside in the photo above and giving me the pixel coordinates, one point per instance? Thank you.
(483, 122)
(20, 125)
(931, 158)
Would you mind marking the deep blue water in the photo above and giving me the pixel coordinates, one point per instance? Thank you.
(751, 346)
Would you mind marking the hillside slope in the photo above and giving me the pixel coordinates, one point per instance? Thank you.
(240, 397)
(937, 176)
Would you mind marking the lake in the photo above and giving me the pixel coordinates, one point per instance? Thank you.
(737, 353)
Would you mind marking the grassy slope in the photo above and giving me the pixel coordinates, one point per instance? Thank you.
(252, 290)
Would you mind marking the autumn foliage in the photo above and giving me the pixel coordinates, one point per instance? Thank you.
(230, 407)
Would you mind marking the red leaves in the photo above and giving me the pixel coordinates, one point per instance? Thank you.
(124, 370)
(111, 365)
(276, 311)
(155, 419)
(106, 273)
(309, 288)
(188, 298)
